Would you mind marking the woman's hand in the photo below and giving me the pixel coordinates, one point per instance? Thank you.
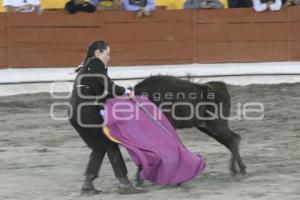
(131, 95)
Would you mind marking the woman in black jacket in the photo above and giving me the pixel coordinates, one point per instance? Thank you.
(91, 88)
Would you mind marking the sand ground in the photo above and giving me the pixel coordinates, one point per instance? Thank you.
(44, 159)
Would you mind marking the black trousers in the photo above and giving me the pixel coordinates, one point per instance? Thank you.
(100, 145)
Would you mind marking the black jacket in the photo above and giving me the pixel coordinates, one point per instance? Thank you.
(92, 85)
(72, 8)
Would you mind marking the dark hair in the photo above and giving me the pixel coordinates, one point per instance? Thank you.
(96, 45)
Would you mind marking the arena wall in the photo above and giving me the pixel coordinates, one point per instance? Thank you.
(57, 39)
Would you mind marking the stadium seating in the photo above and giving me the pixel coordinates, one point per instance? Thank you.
(170, 4)
(54, 4)
(46, 4)
(1, 6)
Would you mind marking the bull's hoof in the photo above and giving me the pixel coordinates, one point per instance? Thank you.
(243, 171)
(130, 190)
(90, 191)
(234, 173)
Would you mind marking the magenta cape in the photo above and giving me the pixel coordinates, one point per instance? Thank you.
(162, 155)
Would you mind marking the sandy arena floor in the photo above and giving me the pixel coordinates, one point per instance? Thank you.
(44, 159)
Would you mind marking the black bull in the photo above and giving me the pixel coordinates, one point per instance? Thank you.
(182, 96)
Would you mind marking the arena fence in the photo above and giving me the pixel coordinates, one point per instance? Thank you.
(57, 39)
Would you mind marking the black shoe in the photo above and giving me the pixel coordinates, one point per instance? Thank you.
(90, 191)
(130, 190)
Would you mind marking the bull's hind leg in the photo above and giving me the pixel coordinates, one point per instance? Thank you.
(236, 153)
(229, 139)
(233, 167)
(234, 148)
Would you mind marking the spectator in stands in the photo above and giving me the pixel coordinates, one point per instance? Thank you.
(22, 6)
(262, 5)
(74, 6)
(143, 7)
(203, 4)
(296, 2)
(240, 3)
(292, 2)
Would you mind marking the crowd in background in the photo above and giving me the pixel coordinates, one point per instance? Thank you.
(141, 7)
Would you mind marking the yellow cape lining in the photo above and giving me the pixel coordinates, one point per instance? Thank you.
(107, 133)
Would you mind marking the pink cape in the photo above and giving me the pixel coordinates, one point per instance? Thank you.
(152, 144)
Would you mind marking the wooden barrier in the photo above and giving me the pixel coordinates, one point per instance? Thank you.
(3, 42)
(57, 39)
